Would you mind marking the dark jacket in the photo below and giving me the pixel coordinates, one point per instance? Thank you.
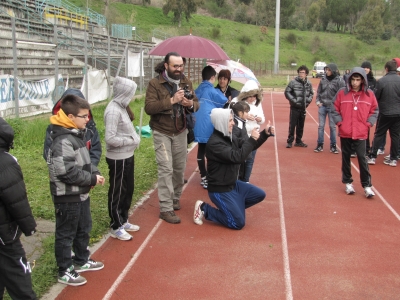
(158, 106)
(225, 154)
(15, 213)
(229, 92)
(354, 123)
(388, 94)
(91, 137)
(299, 93)
(328, 87)
(71, 171)
(371, 81)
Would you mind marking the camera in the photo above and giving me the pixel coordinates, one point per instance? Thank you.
(186, 92)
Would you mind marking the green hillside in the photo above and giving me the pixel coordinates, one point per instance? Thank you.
(249, 43)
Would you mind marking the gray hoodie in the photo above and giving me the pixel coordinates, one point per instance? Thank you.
(220, 119)
(120, 135)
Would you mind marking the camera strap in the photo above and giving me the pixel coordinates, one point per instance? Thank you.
(175, 109)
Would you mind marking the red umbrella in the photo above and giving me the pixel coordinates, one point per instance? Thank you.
(190, 46)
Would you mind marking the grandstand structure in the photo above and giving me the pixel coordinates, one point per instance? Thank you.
(52, 39)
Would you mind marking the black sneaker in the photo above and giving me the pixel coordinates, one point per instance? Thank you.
(319, 148)
(353, 155)
(334, 149)
(301, 144)
(71, 277)
(289, 145)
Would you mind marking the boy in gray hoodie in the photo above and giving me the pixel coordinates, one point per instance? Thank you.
(121, 142)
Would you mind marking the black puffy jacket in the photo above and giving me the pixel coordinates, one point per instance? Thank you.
(15, 212)
(299, 93)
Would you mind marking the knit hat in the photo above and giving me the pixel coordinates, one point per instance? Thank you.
(250, 88)
(6, 135)
(397, 61)
(366, 64)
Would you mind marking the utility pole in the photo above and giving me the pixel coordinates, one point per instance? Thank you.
(277, 21)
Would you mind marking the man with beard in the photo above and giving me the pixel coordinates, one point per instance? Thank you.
(167, 106)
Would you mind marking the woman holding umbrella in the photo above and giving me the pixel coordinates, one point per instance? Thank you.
(224, 79)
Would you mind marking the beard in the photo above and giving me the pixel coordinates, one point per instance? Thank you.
(176, 74)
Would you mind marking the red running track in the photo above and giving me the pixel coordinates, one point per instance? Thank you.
(306, 240)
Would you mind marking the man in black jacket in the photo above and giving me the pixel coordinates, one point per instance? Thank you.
(224, 156)
(15, 217)
(388, 95)
(329, 85)
(299, 92)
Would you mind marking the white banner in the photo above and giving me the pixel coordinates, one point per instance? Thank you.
(134, 64)
(34, 97)
(98, 87)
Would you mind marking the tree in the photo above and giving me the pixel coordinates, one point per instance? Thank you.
(261, 16)
(370, 25)
(287, 9)
(144, 2)
(181, 8)
(313, 15)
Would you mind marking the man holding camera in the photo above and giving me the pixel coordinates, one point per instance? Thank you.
(167, 104)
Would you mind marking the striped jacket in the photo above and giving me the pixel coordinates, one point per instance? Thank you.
(71, 171)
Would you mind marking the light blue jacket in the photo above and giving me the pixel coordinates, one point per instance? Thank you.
(209, 98)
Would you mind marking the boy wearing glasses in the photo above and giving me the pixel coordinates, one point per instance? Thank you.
(72, 175)
(299, 92)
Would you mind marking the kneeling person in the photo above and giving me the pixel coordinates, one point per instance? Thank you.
(224, 156)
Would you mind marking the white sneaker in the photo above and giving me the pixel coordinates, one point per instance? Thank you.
(380, 152)
(198, 213)
(130, 227)
(349, 189)
(389, 162)
(369, 193)
(370, 160)
(120, 234)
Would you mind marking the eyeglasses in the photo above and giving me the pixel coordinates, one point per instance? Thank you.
(83, 117)
(177, 66)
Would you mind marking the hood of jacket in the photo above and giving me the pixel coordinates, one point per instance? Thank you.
(123, 91)
(61, 119)
(333, 68)
(6, 135)
(364, 86)
(251, 88)
(220, 119)
(70, 91)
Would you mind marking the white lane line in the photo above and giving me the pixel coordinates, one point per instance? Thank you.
(393, 211)
(286, 267)
(129, 266)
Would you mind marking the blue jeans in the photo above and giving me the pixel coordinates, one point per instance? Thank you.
(231, 206)
(322, 112)
(248, 166)
(73, 225)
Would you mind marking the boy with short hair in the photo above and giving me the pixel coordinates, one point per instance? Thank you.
(71, 177)
(354, 111)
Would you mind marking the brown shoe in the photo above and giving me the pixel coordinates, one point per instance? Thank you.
(170, 217)
(176, 205)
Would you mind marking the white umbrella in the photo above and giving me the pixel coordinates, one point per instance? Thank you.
(239, 72)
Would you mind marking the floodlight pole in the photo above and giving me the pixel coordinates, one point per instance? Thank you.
(277, 20)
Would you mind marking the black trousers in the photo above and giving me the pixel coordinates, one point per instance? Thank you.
(296, 123)
(15, 272)
(201, 158)
(349, 146)
(120, 192)
(385, 123)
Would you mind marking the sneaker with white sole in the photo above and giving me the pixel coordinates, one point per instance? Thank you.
(369, 193)
(120, 234)
(333, 149)
(130, 227)
(380, 152)
(370, 160)
(353, 155)
(71, 277)
(91, 265)
(198, 213)
(349, 189)
(389, 162)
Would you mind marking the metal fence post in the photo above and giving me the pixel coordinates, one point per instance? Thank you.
(109, 64)
(56, 95)
(15, 73)
(141, 68)
(127, 60)
(86, 67)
